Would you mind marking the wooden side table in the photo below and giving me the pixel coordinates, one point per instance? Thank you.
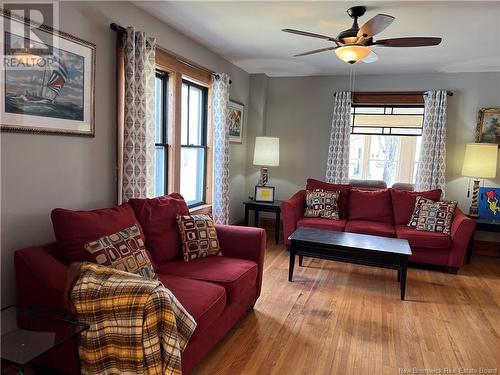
(265, 207)
(485, 225)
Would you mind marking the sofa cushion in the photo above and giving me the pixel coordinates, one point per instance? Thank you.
(204, 301)
(343, 189)
(374, 228)
(430, 240)
(158, 217)
(370, 205)
(320, 223)
(123, 250)
(403, 203)
(237, 276)
(74, 229)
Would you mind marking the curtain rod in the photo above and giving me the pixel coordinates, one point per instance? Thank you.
(402, 93)
(121, 29)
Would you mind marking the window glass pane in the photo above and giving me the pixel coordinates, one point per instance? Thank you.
(184, 114)
(367, 130)
(369, 110)
(382, 170)
(160, 171)
(356, 146)
(355, 169)
(159, 111)
(195, 116)
(384, 147)
(192, 174)
(408, 110)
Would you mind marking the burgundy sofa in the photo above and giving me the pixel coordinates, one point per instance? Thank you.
(384, 212)
(216, 291)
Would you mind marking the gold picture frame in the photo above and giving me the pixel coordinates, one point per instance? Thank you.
(488, 126)
(63, 101)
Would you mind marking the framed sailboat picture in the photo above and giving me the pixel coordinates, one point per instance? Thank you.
(48, 79)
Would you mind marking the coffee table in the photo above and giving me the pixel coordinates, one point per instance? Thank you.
(355, 248)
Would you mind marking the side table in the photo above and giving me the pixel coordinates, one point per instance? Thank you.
(29, 333)
(265, 207)
(485, 225)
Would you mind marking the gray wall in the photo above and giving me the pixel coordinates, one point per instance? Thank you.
(299, 112)
(40, 172)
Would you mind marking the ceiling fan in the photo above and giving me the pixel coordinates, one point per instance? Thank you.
(353, 45)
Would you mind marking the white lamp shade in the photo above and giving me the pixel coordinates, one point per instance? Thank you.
(480, 160)
(267, 151)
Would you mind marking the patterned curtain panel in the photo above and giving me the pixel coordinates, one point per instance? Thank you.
(139, 116)
(220, 99)
(432, 167)
(337, 167)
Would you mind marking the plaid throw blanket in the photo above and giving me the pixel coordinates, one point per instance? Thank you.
(137, 326)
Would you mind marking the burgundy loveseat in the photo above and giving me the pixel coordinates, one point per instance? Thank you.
(217, 291)
(384, 212)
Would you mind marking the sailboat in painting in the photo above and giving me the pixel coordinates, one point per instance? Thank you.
(51, 87)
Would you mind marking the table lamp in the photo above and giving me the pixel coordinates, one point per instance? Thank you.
(266, 154)
(480, 162)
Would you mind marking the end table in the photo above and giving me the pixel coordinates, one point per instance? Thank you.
(29, 333)
(485, 225)
(265, 207)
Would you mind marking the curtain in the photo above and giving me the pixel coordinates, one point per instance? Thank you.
(220, 99)
(337, 167)
(135, 115)
(432, 166)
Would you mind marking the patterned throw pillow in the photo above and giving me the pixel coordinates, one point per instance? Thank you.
(199, 237)
(322, 203)
(433, 216)
(123, 250)
(416, 211)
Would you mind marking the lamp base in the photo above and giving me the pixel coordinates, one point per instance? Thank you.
(264, 176)
(474, 210)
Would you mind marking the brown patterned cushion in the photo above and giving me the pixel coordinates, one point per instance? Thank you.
(123, 250)
(199, 237)
(322, 203)
(433, 216)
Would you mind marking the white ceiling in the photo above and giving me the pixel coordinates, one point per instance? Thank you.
(249, 34)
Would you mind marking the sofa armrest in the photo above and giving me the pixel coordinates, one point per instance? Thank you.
(462, 229)
(292, 211)
(244, 243)
(40, 278)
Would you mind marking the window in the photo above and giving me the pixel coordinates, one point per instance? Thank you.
(161, 134)
(193, 142)
(385, 142)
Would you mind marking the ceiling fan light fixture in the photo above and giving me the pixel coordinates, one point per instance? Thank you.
(352, 53)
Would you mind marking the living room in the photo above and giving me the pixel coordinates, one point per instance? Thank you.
(333, 317)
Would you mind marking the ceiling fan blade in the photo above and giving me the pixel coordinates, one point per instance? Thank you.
(375, 25)
(409, 42)
(372, 57)
(315, 51)
(306, 33)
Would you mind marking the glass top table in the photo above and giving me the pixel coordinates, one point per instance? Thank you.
(29, 333)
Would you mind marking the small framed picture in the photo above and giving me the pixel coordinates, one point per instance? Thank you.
(235, 118)
(264, 194)
(488, 126)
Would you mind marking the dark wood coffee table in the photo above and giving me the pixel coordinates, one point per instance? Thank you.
(355, 248)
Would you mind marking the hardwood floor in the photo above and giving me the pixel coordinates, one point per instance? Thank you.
(337, 318)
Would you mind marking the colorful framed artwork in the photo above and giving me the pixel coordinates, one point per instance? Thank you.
(489, 202)
(488, 126)
(235, 118)
(264, 194)
(47, 80)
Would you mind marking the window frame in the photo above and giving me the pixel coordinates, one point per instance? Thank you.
(164, 124)
(178, 68)
(204, 138)
(404, 171)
